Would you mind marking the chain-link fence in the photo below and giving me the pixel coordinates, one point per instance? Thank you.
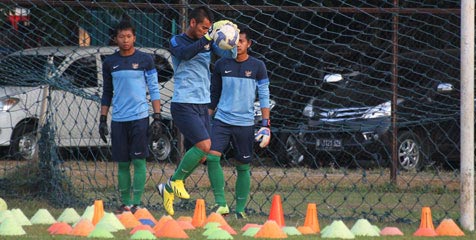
(365, 115)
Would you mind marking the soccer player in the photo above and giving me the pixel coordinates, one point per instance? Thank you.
(233, 92)
(191, 56)
(127, 74)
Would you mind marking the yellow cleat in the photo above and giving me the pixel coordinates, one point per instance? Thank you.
(168, 199)
(224, 211)
(179, 189)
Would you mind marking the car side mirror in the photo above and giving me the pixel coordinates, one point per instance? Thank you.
(332, 78)
(445, 87)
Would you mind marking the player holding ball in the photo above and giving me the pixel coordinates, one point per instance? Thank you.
(191, 56)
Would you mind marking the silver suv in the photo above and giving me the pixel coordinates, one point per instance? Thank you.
(72, 78)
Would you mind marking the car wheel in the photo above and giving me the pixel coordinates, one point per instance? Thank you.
(24, 142)
(161, 147)
(289, 152)
(410, 152)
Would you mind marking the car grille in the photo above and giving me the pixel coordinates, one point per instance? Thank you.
(339, 114)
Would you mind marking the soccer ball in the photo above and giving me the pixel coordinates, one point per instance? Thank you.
(227, 37)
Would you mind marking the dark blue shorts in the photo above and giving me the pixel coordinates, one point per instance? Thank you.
(192, 120)
(242, 138)
(129, 140)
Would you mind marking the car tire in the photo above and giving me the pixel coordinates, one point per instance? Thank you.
(289, 151)
(162, 148)
(410, 152)
(24, 141)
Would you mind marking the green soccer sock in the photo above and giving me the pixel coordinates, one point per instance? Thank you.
(139, 180)
(193, 170)
(242, 186)
(217, 179)
(124, 180)
(189, 162)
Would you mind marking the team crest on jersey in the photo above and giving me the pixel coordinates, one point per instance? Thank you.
(248, 73)
(207, 47)
(135, 66)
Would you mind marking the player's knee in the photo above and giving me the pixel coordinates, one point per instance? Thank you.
(205, 145)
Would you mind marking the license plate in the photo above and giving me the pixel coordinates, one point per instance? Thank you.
(328, 143)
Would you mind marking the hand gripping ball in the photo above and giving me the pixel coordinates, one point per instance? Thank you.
(227, 37)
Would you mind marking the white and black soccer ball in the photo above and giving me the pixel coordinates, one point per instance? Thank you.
(227, 37)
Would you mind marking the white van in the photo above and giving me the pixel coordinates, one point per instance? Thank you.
(74, 75)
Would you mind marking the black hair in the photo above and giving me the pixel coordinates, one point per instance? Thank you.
(247, 32)
(124, 25)
(200, 14)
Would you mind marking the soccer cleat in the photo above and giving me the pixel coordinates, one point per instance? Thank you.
(221, 210)
(168, 199)
(134, 208)
(241, 215)
(179, 189)
(123, 208)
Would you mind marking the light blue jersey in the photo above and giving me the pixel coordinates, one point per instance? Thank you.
(191, 59)
(126, 80)
(233, 90)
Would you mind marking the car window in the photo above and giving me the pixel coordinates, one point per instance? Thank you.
(82, 73)
(22, 70)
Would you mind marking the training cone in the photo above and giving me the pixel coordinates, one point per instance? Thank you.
(311, 218)
(171, 229)
(141, 228)
(42, 216)
(3, 205)
(162, 222)
(270, 229)
(128, 220)
(185, 225)
(391, 231)
(83, 228)
(218, 218)
(448, 227)
(276, 213)
(426, 228)
(69, 215)
(199, 214)
(98, 211)
(142, 235)
(143, 213)
(185, 218)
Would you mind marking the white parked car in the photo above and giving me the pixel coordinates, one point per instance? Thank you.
(75, 77)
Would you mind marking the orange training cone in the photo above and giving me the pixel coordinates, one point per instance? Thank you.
(171, 229)
(199, 214)
(276, 214)
(448, 227)
(426, 224)
(311, 218)
(98, 211)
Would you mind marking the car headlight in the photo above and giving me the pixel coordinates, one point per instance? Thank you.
(7, 103)
(308, 110)
(381, 110)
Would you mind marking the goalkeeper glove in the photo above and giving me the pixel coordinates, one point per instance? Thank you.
(156, 127)
(103, 131)
(264, 134)
(216, 26)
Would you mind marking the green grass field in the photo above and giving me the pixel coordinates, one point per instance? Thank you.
(30, 207)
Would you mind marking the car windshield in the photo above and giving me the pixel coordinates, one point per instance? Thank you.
(24, 70)
(418, 74)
